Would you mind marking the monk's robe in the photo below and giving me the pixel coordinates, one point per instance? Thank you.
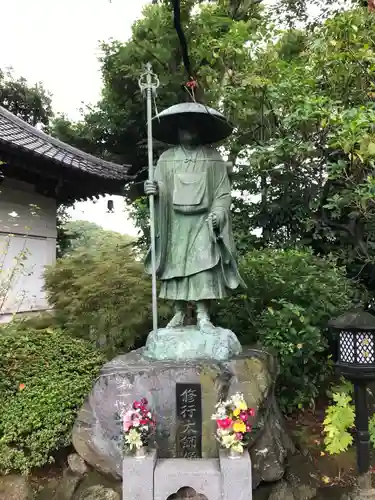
(194, 260)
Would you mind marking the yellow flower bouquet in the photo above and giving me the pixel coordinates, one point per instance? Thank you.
(234, 423)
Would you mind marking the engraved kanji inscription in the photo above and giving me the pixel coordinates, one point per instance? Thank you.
(189, 420)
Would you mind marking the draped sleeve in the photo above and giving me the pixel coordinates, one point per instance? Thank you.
(221, 205)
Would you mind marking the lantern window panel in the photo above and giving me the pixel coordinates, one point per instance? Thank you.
(365, 348)
(357, 347)
(347, 347)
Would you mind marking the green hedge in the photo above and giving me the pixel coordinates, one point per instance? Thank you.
(44, 378)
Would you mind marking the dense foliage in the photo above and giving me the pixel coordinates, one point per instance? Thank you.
(301, 100)
(44, 377)
(102, 294)
(32, 103)
(88, 235)
(291, 295)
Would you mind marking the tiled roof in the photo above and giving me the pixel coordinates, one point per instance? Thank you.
(18, 134)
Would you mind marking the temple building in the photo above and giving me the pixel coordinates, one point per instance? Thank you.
(37, 174)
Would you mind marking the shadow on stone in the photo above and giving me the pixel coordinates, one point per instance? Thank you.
(187, 492)
(67, 486)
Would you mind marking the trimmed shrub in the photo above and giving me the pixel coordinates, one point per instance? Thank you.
(103, 295)
(291, 296)
(44, 378)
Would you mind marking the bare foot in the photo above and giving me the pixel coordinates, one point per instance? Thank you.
(177, 320)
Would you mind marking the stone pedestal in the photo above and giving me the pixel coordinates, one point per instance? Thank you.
(138, 477)
(216, 479)
(97, 431)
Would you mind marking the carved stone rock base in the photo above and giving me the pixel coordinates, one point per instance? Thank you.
(97, 431)
(189, 342)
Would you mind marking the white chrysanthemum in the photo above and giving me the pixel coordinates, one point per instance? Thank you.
(237, 446)
(218, 416)
(236, 399)
(223, 432)
(133, 439)
(220, 412)
(228, 440)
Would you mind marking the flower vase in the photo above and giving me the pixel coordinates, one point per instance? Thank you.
(233, 454)
(140, 452)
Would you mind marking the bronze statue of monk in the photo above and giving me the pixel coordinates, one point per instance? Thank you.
(195, 250)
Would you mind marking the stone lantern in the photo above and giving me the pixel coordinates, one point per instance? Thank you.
(355, 360)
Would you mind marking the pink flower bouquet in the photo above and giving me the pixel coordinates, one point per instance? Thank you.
(138, 424)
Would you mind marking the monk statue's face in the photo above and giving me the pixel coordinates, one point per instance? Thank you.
(187, 137)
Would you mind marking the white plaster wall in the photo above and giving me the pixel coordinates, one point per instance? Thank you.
(27, 245)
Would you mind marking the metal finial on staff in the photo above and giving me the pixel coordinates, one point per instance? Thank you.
(148, 83)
